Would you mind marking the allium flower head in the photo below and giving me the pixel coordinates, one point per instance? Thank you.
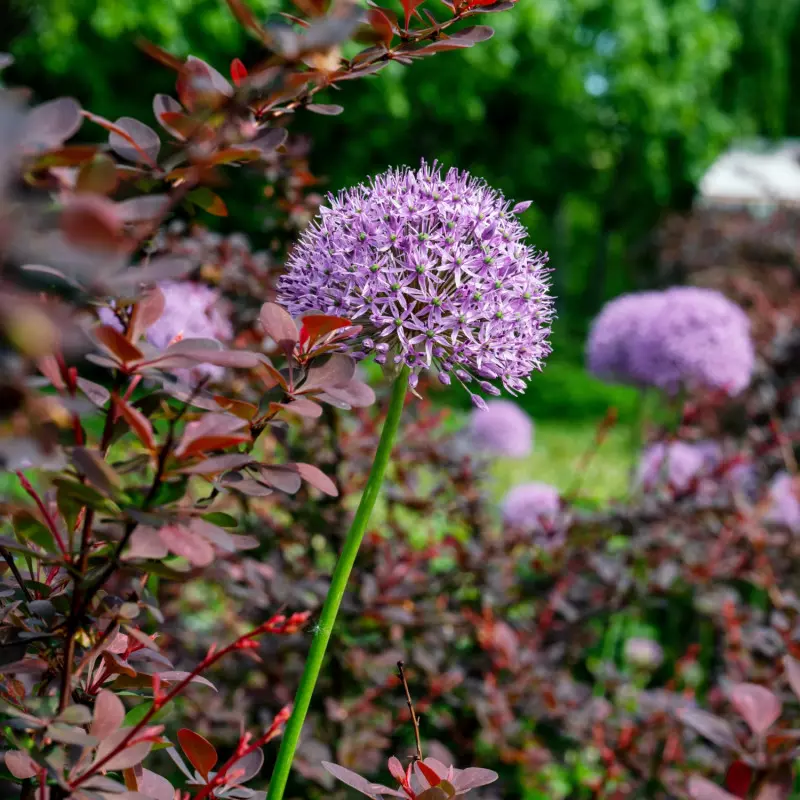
(784, 495)
(191, 311)
(698, 339)
(532, 507)
(676, 464)
(615, 332)
(437, 271)
(502, 429)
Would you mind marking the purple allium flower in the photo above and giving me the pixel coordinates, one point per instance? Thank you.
(191, 311)
(502, 429)
(614, 334)
(698, 339)
(437, 271)
(676, 464)
(532, 507)
(643, 653)
(784, 495)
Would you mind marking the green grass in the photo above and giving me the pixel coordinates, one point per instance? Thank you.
(557, 456)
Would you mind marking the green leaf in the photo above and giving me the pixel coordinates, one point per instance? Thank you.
(86, 495)
(221, 519)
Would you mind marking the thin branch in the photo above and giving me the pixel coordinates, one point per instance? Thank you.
(414, 719)
(48, 517)
(9, 559)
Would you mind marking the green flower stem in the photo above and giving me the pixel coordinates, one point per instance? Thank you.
(341, 574)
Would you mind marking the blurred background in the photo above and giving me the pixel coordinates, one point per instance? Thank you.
(605, 113)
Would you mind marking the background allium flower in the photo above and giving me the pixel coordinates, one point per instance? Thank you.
(698, 339)
(532, 507)
(784, 495)
(676, 464)
(437, 271)
(502, 429)
(191, 311)
(614, 334)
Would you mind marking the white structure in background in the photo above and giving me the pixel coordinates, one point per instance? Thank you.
(756, 175)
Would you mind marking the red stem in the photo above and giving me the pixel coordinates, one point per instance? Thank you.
(278, 624)
(48, 518)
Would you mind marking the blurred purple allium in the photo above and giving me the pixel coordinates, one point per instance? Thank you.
(191, 311)
(533, 507)
(502, 429)
(784, 495)
(675, 464)
(697, 339)
(437, 271)
(614, 334)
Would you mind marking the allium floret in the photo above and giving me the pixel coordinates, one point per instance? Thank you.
(436, 270)
(533, 507)
(699, 339)
(614, 334)
(784, 496)
(502, 429)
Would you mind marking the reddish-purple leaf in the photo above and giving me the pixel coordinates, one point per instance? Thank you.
(164, 104)
(172, 676)
(759, 707)
(791, 667)
(738, 778)
(147, 312)
(199, 751)
(98, 176)
(109, 713)
(116, 344)
(21, 765)
(355, 781)
(129, 757)
(316, 326)
(325, 109)
(219, 464)
(778, 785)
(713, 728)
(238, 72)
(409, 6)
(355, 394)
(279, 326)
(155, 786)
(304, 407)
(702, 789)
(143, 209)
(318, 479)
(50, 124)
(184, 542)
(336, 372)
(472, 778)
(286, 479)
(145, 145)
(146, 542)
(96, 393)
(139, 423)
(209, 201)
(92, 222)
(210, 426)
(266, 142)
(246, 768)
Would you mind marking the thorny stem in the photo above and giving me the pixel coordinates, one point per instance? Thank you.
(410, 702)
(341, 574)
(277, 624)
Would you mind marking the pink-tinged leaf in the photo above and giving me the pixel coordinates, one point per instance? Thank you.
(138, 422)
(245, 17)
(109, 713)
(173, 359)
(199, 751)
(520, 207)
(304, 408)
(247, 486)
(134, 141)
(211, 427)
(92, 222)
(325, 109)
(396, 770)
(336, 372)
(217, 464)
(778, 785)
(353, 780)
(286, 479)
(381, 24)
(175, 677)
(155, 786)
(200, 86)
(318, 479)
(145, 542)
(21, 765)
(265, 143)
(466, 37)
(96, 393)
(219, 537)
(147, 312)
(129, 757)
(164, 104)
(472, 778)
(146, 208)
(713, 728)
(116, 344)
(164, 268)
(279, 326)
(184, 542)
(51, 124)
(738, 778)
(355, 395)
(702, 789)
(246, 768)
(791, 667)
(759, 707)
(238, 72)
